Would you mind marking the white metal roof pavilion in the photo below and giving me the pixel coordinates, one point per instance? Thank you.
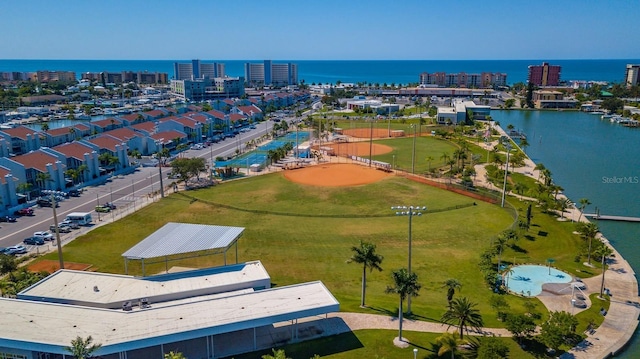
(182, 238)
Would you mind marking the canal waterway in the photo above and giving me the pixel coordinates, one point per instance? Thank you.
(590, 158)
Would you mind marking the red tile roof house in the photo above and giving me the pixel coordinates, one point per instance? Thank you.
(80, 156)
(155, 114)
(134, 140)
(58, 136)
(169, 139)
(105, 125)
(237, 120)
(147, 128)
(132, 119)
(192, 128)
(114, 147)
(206, 122)
(254, 113)
(22, 139)
(221, 121)
(43, 170)
(81, 130)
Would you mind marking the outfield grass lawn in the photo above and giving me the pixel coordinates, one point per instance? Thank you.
(309, 232)
(426, 146)
(373, 344)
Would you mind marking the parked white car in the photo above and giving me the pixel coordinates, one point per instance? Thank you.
(44, 235)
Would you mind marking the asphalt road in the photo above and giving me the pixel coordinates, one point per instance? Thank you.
(124, 191)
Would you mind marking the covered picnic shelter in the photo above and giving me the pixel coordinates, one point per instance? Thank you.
(177, 241)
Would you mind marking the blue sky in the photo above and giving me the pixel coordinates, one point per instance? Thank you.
(319, 30)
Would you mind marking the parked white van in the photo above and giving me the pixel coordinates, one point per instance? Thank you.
(81, 218)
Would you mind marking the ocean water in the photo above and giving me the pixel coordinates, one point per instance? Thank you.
(396, 71)
(590, 158)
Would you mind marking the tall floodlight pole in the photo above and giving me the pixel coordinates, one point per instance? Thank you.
(506, 171)
(371, 143)
(55, 223)
(409, 211)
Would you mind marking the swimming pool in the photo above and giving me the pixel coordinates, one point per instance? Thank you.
(527, 280)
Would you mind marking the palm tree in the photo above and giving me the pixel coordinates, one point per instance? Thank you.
(448, 343)
(564, 204)
(501, 242)
(277, 354)
(584, 202)
(174, 355)
(42, 178)
(366, 255)
(83, 348)
(429, 159)
(462, 313)
(603, 251)
(445, 157)
(588, 231)
(451, 285)
(405, 285)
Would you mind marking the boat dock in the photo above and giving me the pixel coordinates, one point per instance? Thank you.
(612, 218)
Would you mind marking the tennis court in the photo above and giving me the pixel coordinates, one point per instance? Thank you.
(259, 155)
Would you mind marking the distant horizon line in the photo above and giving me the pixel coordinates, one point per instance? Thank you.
(539, 59)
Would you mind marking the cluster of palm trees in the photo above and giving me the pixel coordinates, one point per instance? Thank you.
(461, 312)
(279, 153)
(77, 174)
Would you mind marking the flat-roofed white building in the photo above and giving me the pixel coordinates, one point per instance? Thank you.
(204, 313)
(460, 111)
(377, 106)
(200, 313)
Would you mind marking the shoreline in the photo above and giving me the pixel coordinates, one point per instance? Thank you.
(621, 322)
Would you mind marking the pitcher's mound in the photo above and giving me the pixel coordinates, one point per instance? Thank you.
(335, 175)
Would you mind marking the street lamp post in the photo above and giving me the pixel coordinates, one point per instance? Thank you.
(160, 168)
(211, 163)
(409, 211)
(506, 171)
(55, 223)
(98, 205)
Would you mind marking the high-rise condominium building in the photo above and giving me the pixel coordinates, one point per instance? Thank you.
(197, 70)
(632, 76)
(461, 79)
(544, 75)
(270, 74)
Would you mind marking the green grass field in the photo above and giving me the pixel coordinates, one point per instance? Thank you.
(304, 233)
(374, 344)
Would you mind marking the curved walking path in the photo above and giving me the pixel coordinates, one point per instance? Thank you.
(621, 321)
(358, 321)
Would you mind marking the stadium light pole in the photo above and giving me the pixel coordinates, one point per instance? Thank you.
(409, 211)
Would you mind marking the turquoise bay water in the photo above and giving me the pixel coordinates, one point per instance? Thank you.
(590, 158)
(528, 279)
